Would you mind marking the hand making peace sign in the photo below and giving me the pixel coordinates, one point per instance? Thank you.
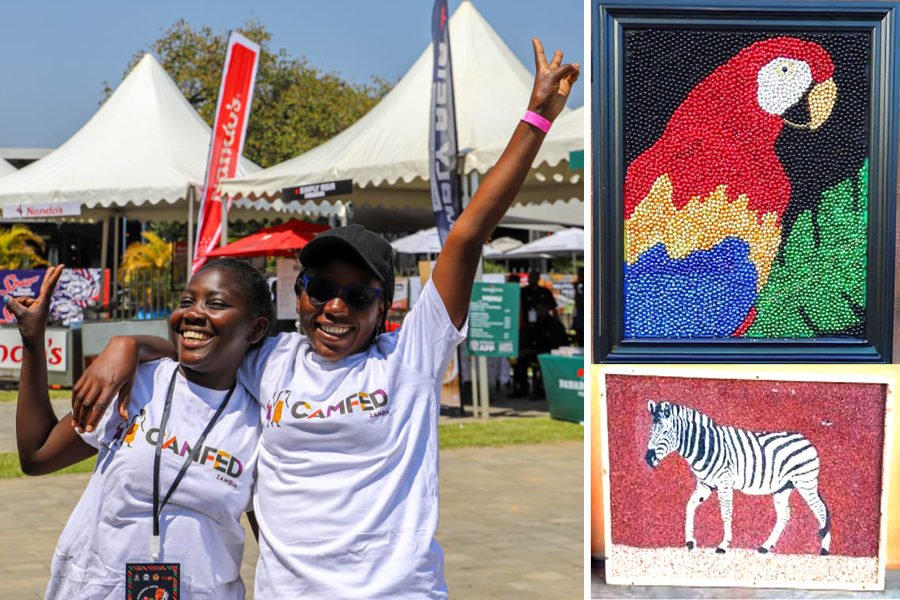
(552, 82)
(32, 313)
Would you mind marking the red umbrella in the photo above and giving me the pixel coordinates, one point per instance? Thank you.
(280, 240)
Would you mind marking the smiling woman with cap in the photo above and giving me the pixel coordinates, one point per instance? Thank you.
(347, 499)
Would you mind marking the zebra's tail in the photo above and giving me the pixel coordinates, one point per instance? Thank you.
(827, 528)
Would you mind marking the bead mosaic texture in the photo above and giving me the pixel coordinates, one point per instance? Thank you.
(653, 476)
(746, 187)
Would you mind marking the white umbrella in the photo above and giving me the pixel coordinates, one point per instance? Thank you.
(428, 242)
(567, 241)
(504, 244)
(425, 241)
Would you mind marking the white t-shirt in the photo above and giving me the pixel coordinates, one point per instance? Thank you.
(199, 526)
(347, 499)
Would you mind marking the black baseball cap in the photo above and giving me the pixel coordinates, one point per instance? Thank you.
(372, 250)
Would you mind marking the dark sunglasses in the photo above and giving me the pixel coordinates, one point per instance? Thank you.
(321, 289)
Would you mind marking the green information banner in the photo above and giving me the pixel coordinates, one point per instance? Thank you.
(494, 320)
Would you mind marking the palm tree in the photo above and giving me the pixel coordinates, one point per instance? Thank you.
(153, 254)
(17, 248)
(144, 273)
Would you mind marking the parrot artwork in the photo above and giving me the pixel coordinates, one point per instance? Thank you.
(704, 204)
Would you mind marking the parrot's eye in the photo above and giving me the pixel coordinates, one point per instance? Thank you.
(785, 69)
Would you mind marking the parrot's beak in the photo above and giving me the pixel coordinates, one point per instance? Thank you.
(821, 101)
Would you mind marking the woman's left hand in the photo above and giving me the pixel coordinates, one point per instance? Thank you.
(552, 82)
(32, 313)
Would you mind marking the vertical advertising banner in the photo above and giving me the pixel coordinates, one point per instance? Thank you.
(442, 146)
(229, 129)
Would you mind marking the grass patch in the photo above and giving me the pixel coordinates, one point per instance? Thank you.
(502, 432)
(12, 395)
(9, 466)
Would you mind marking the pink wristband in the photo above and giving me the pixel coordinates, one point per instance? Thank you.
(537, 120)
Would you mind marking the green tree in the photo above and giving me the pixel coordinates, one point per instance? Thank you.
(17, 248)
(296, 106)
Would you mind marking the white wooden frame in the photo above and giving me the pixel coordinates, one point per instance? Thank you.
(706, 373)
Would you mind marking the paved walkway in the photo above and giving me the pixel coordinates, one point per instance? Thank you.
(8, 422)
(511, 524)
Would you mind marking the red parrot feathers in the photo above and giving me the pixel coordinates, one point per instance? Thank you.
(721, 136)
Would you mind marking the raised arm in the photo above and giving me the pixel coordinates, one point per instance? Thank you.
(111, 374)
(45, 443)
(457, 264)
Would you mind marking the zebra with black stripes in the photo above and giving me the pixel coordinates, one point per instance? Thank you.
(725, 459)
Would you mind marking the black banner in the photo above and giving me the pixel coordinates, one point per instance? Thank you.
(312, 191)
(442, 147)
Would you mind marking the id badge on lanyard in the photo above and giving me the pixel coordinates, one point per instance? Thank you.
(152, 581)
(161, 580)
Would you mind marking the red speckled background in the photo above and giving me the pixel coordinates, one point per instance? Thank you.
(844, 421)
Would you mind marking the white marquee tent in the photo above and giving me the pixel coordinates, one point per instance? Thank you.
(135, 157)
(385, 153)
(566, 135)
(6, 168)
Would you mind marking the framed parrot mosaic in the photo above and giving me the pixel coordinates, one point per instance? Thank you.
(745, 160)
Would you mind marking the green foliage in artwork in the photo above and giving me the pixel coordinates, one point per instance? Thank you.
(817, 289)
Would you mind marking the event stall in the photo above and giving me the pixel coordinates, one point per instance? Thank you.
(385, 152)
(137, 157)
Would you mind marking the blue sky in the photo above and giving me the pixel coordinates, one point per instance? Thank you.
(56, 55)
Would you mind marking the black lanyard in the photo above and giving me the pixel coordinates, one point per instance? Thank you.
(157, 507)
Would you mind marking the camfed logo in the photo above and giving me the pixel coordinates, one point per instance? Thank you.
(372, 403)
(360, 401)
(216, 458)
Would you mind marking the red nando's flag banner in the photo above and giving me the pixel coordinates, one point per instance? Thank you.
(230, 127)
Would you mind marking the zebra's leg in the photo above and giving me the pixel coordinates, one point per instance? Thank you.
(782, 513)
(701, 493)
(725, 495)
(810, 493)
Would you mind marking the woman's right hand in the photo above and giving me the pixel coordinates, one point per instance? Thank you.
(112, 373)
(32, 313)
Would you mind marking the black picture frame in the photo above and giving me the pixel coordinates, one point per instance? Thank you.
(610, 20)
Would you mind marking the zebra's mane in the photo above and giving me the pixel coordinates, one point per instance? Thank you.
(686, 413)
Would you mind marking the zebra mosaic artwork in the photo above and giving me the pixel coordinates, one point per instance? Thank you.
(726, 459)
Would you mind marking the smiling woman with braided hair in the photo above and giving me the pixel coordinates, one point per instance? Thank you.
(347, 500)
(154, 495)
